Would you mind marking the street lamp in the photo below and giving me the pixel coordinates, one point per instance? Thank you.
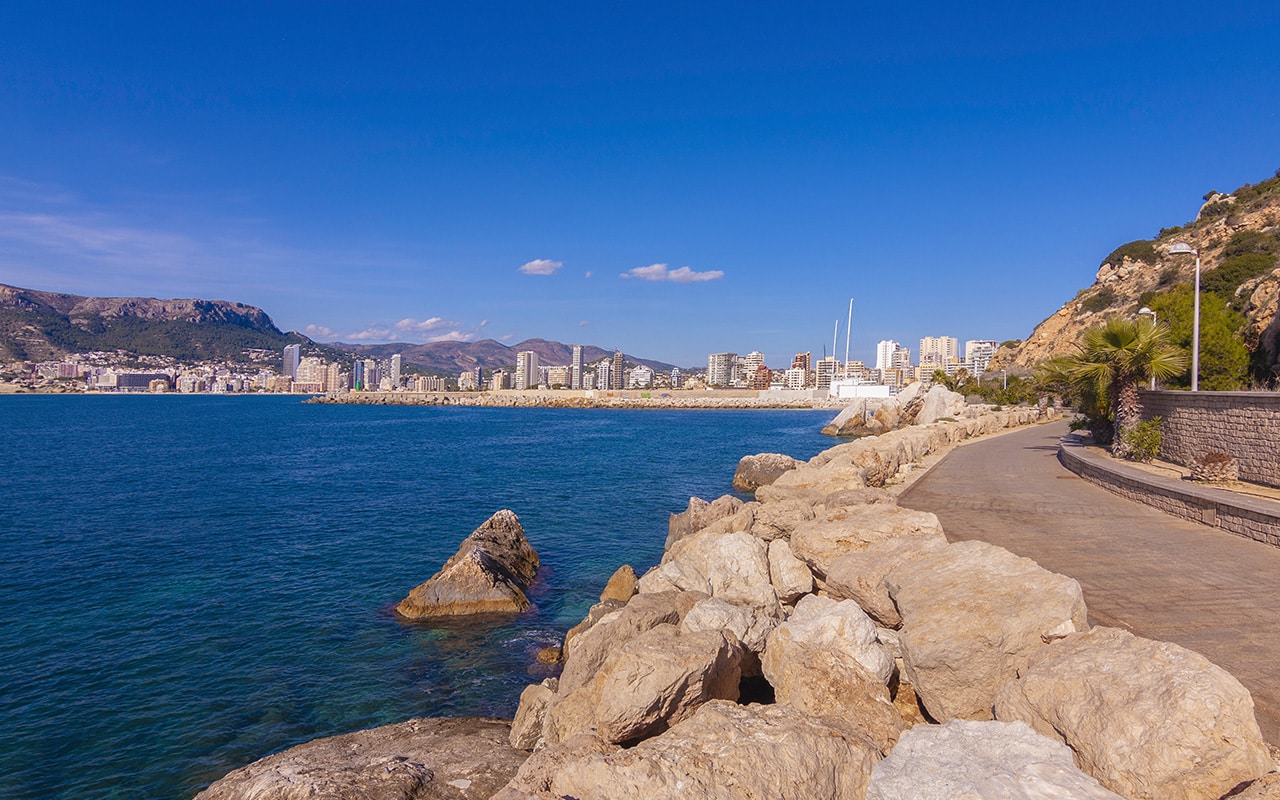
(1154, 320)
(1180, 248)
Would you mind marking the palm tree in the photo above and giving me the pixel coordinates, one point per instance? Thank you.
(1114, 361)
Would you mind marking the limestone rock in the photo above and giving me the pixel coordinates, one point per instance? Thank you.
(776, 520)
(841, 531)
(725, 565)
(621, 585)
(422, 758)
(1265, 788)
(851, 421)
(587, 651)
(594, 615)
(939, 402)
(972, 614)
(826, 661)
(651, 682)
(526, 728)
(750, 623)
(489, 573)
(761, 469)
(729, 751)
(860, 576)
(1149, 719)
(790, 576)
(699, 515)
(965, 760)
(533, 780)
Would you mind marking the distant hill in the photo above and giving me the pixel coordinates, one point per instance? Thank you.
(452, 358)
(1238, 236)
(39, 326)
(46, 326)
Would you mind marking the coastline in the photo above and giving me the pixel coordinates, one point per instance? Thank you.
(565, 398)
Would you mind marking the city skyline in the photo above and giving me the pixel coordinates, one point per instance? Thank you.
(665, 180)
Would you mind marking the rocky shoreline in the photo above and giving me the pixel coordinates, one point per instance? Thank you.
(820, 641)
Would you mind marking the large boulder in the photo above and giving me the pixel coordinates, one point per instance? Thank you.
(621, 586)
(964, 760)
(972, 614)
(826, 661)
(860, 575)
(1149, 719)
(533, 780)
(651, 682)
(790, 576)
(731, 565)
(776, 520)
(838, 532)
(851, 421)
(422, 758)
(488, 574)
(730, 751)
(761, 469)
(699, 515)
(588, 650)
(531, 715)
(939, 403)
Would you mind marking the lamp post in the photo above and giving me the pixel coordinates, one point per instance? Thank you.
(1177, 249)
(1142, 311)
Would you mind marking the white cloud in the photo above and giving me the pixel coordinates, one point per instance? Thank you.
(588, 274)
(412, 325)
(584, 323)
(452, 336)
(319, 331)
(659, 272)
(370, 335)
(541, 266)
(484, 323)
(686, 275)
(506, 338)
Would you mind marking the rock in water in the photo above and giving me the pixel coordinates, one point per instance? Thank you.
(489, 573)
(964, 760)
(761, 469)
(1148, 719)
(422, 758)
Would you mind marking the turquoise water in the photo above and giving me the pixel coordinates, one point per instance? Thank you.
(190, 583)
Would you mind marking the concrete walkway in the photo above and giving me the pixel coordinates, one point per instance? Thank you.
(1157, 576)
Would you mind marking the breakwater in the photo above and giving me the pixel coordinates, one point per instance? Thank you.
(727, 400)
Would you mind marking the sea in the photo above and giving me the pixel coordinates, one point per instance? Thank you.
(190, 583)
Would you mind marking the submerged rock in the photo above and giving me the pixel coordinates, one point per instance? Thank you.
(467, 758)
(489, 573)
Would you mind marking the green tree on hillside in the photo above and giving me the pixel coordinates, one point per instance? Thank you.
(1224, 360)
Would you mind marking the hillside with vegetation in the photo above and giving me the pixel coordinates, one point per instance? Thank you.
(44, 326)
(1238, 237)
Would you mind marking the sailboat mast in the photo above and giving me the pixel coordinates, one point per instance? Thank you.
(848, 329)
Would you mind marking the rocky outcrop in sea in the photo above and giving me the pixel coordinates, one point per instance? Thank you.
(819, 641)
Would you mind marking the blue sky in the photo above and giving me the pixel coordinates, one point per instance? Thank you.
(416, 171)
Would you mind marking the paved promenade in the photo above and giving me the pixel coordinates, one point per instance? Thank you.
(1159, 577)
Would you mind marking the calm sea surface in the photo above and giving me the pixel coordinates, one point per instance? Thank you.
(191, 583)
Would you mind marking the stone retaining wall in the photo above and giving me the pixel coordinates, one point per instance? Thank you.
(1251, 518)
(1244, 425)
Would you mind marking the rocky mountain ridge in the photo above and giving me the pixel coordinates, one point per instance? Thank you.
(1238, 233)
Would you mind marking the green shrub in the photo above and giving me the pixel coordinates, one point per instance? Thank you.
(1234, 271)
(1242, 242)
(1144, 440)
(1142, 250)
(1101, 299)
(1169, 276)
(1011, 343)
(1215, 210)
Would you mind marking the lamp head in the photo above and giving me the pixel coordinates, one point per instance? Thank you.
(1179, 248)
(1145, 310)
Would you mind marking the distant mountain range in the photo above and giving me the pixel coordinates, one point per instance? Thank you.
(46, 326)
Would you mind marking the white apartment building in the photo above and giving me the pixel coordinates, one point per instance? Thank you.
(641, 377)
(939, 350)
(826, 369)
(720, 369)
(978, 354)
(794, 378)
(526, 370)
(884, 353)
(575, 367)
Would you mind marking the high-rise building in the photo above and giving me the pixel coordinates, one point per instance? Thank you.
(762, 377)
(720, 369)
(901, 359)
(499, 380)
(751, 364)
(884, 353)
(358, 379)
(978, 354)
(526, 370)
(826, 369)
(559, 377)
(939, 350)
(396, 362)
(372, 375)
(796, 377)
(802, 361)
(292, 357)
(575, 376)
(677, 377)
(617, 374)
